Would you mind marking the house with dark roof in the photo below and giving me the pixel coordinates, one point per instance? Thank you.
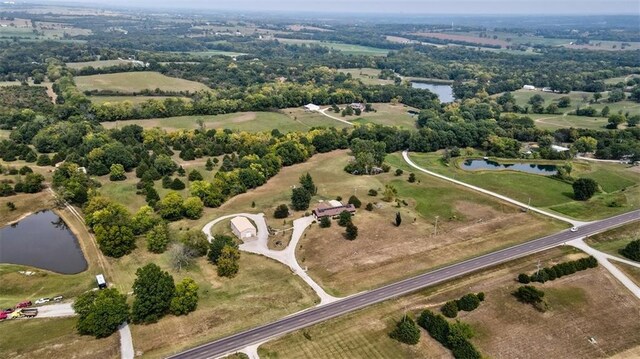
(332, 209)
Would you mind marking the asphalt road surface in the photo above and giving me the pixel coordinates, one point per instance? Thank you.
(315, 315)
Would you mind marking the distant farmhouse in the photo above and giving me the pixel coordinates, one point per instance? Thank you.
(357, 106)
(332, 209)
(242, 228)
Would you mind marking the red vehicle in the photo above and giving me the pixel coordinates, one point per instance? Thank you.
(26, 303)
(7, 311)
(3, 315)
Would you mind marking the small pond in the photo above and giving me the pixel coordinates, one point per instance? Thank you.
(538, 169)
(444, 91)
(44, 241)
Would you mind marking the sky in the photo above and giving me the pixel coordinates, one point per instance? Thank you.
(521, 7)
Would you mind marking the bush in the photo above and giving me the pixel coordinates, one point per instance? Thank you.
(631, 250)
(530, 295)
(325, 222)
(523, 278)
(282, 211)
(452, 336)
(373, 192)
(300, 199)
(406, 331)
(412, 177)
(185, 299)
(468, 302)
(450, 309)
(369, 207)
(351, 231)
(166, 182)
(355, 201)
(158, 238)
(481, 296)
(193, 207)
(194, 175)
(344, 218)
(177, 184)
(399, 172)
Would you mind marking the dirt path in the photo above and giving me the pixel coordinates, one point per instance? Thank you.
(333, 117)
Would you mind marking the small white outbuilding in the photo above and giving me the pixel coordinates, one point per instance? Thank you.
(311, 107)
(243, 228)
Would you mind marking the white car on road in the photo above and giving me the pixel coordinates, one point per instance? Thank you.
(574, 229)
(42, 300)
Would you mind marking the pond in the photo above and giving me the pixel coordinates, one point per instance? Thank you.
(538, 169)
(42, 240)
(444, 91)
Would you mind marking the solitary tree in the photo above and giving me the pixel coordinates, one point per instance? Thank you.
(406, 331)
(632, 250)
(209, 165)
(412, 177)
(325, 222)
(355, 201)
(584, 188)
(153, 290)
(117, 173)
(351, 231)
(196, 242)
(450, 309)
(194, 175)
(344, 218)
(300, 199)
(307, 183)
(229, 262)
(158, 238)
(100, 313)
(282, 211)
(398, 219)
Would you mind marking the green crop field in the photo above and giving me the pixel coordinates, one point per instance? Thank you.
(338, 46)
(620, 185)
(129, 82)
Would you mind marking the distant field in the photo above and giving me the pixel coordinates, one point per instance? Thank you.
(368, 76)
(578, 98)
(133, 99)
(338, 46)
(462, 37)
(388, 115)
(241, 121)
(129, 82)
(210, 53)
(615, 80)
(97, 64)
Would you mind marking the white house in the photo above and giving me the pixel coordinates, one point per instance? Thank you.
(559, 148)
(243, 228)
(311, 107)
(528, 87)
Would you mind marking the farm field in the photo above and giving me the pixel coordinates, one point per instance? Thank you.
(368, 76)
(133, 99)
(25, 29)
(462, 37)
(240, 121)
(97, 64)
(623, 79)
(131, 82)
(338, 46)
(52, 338)
(580, 307)
(620, 183)
(385, 114)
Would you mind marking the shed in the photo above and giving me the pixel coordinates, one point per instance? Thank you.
(243, 228)
(528, 87)
(311, 107)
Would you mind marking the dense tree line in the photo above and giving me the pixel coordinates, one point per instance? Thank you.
(558, 270)
(449, 335)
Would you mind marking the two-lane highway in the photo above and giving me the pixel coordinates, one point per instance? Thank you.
(311, 316)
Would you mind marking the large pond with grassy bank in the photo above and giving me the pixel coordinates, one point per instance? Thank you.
(534, 168)
(42, 240)
(444, 91)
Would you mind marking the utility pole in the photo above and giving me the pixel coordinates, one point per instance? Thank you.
(538, 269)
(436, 228)
(528, 204)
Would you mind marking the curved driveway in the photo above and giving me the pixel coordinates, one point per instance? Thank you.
(318, 314)
(574, 222)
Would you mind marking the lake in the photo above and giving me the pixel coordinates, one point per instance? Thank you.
(42, 240)
(444, 92)
(538, 169)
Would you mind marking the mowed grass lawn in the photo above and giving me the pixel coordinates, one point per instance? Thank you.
(386, 114)
(128, 82)
(615, 239)
(621, 186)
(52, 338)
(240, 121)
(367, 75)
(580, 307)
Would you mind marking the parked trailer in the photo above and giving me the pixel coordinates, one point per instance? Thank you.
(29, 312)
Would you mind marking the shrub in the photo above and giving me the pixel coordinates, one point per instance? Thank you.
(373, 192)
(300, 199)
(398, 220)
(282, 211)
(450, 309)
(631, 251)
(399, 172)
(177, 184)
(166, 182)
(452, 336)
(523, 278)
(158, 238)
(351, 231)
(531, 295)
(369, 207)
(481, 296)
(406, 331)
(584, 188)
(194, 175)
(468, 302)
(355, 201)
(412, 177)
(325, 222)
(344, 218)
